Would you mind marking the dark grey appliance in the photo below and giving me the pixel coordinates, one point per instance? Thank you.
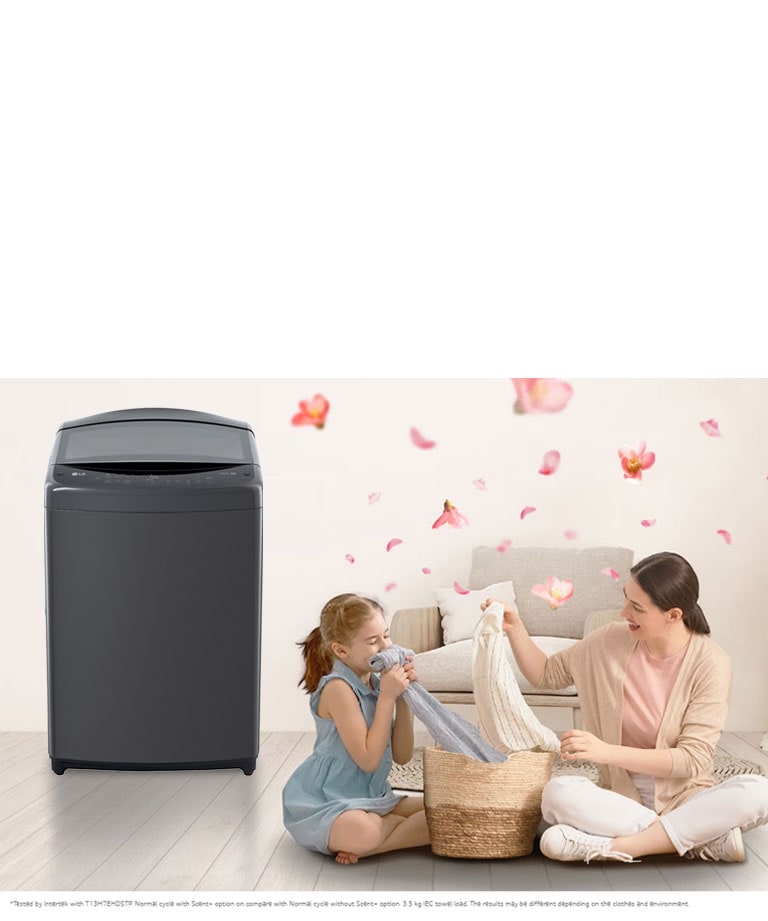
(153, 545)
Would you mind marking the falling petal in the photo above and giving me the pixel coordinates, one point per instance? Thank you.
(426, 570)
(373, 497)
(349, 558)
(648, 522)
(610, 572)
(635, 459)
(541, 394)
(312, 412)
(480, 484)
(570, 534)
(389, 586)
(459, 590)
(711, 427)
(726, 535)
(393, 543)
(504, 546)
(550, 463)
(451, 515)
(420, 441)
(527, 511)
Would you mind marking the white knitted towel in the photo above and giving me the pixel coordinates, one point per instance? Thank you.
(505, 720)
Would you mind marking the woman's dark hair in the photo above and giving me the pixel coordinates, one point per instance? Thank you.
(340, 620)
(670, 582)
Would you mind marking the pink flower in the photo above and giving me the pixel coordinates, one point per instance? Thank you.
(648, 522)
(550, 463)
(420, 441)
(570, 534)
(373, 497)
(451, 515)
(554, 591)
(393, 543)
(527, 511)
(711, 427)
(726, 535)
(541, 394)
(426, 570)
(610, 572)
(480, 484)
(635, 459)
(389, 586)
(349, 558)
(312, 412)
(459, 589)
(504, 546)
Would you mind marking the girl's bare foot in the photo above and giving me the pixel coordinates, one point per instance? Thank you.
(346, 857)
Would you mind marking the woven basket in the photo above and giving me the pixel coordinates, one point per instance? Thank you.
(482, 810)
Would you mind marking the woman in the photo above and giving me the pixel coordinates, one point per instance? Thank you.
(654, 696)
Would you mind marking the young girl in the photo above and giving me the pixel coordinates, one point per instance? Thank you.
(339, 801)
(654, 694)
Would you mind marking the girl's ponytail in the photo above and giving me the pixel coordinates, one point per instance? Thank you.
(318, 659)
(340, 620)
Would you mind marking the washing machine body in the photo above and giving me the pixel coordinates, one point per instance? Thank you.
(153, 531)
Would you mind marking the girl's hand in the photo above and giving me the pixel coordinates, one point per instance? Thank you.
(577, 745)
(511, 614)
(394, 682)
(410, 669)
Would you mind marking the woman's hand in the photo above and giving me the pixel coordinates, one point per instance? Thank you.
(394, 682)
(511, 614)
(577, 745)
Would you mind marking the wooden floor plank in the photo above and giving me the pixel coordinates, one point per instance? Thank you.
(452, 874)
(34, 851)
(72, 865)
(119, 831)
(34, 744)
(248, 851)
(359, 877)
(519, 874)
(405, 871)
(577, 877)
(31, 807)
(10, 740)
(291, 868)
(198, 849)
(137, 856)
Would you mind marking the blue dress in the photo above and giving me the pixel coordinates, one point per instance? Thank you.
(329, 782)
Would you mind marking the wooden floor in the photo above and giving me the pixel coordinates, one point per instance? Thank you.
(221, 830)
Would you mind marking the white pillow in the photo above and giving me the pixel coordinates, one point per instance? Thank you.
(460, 613)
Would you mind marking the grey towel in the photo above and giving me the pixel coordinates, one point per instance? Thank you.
(451, 731)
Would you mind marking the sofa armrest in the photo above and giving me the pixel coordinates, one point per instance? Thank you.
(600, 619)
(419, 629)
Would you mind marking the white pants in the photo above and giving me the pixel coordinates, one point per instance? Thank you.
(740, 801)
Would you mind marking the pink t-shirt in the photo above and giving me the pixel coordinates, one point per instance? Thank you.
(647, 688)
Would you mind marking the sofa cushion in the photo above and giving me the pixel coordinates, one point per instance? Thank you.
(450, 667)
(529, 566)
(460, 613)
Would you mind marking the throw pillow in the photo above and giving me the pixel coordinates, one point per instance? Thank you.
(459, 613)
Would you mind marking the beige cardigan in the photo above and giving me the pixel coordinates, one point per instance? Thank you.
(691, 725)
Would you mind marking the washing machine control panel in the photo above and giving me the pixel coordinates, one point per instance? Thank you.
(93, 477)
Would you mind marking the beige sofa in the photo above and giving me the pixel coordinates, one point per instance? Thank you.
(598, 575)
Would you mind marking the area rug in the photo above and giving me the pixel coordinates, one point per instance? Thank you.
(409, 776)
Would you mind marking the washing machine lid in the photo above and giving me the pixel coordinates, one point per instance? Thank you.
(153, 460)
(160, 436)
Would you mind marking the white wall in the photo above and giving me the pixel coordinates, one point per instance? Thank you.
(316, 507)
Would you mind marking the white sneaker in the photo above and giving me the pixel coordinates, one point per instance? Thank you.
(562, 842)
(729, 848)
